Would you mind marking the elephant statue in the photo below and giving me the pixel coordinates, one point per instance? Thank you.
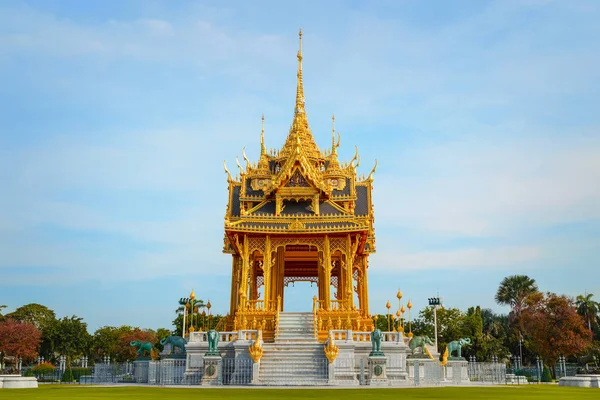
(419, 342)
(176, 342)
(456, 345)
(376, 338)
(142, 347)
(213, 341)
(586, 360)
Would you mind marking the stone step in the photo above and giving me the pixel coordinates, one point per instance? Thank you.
(306, 368)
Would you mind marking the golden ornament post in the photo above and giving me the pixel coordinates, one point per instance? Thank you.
(409, 305)
(208, 305)
(388, 306)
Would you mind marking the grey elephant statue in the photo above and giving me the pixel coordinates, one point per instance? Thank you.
(176, 342)
(142, 347)
(456, 345)
(419, 342)
(376, 338)
(213, 341)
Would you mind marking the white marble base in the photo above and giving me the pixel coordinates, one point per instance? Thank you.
(457, 371)
(589, 381)
(212, 366)
(140, 370)
(17, 382)
(512, 379)
(377, 371)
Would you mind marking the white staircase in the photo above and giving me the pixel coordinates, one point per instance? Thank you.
(296, 358)
(296, 327)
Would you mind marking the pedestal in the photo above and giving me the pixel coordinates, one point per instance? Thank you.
(331, 373)
(457, 371)
(255, 372)
(17, 382)
(140, 370)
(212, 369)
(377, 371)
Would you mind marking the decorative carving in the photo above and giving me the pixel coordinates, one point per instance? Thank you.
(297, 180)
(256, 351)
(331, 350)
(296, 225)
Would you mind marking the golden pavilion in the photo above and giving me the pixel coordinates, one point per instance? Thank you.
(299, 214)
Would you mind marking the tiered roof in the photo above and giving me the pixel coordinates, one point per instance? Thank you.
(299, 188)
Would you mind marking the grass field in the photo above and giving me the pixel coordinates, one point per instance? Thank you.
(49, 392)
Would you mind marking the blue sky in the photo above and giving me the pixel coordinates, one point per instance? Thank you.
(116, 116)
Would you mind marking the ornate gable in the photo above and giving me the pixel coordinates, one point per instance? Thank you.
(300, 186)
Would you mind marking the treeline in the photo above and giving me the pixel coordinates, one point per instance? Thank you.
(33, 331)
(545, 325)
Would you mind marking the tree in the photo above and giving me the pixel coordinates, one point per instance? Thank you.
(473, 329)
(588, 309)
(105, 341)
(554, 327)
(36, 314)
(450, 325)
(125, 351)
(19, 339)
(495, 337)
(161, 333)
(2, 307)
(513, 292)
(70, 337)
(43, 318)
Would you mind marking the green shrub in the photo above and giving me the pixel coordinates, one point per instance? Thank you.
(78, 372)
(546, 375)
(67, 376)
(29, 373)
(44, 368)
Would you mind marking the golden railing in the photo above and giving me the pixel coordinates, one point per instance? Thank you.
(334, 305)
(277, 317)
(315, 317)
(259, 305)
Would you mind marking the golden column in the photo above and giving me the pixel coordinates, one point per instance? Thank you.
(365, 266)
(266, 267)
(233, 302)
(327, 270)
(349, 266)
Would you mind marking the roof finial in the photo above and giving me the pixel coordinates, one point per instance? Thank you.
(300, 88)
(333, 149)
(263, 150)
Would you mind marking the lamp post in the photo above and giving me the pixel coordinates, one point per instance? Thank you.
(435, 302)
(184, 302)
(520, 343)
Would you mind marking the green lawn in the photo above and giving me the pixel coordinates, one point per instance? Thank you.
(49, 392)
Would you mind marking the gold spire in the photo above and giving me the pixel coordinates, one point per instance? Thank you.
(300, 128)
(300, 86)
(333, 149)
(263, 150)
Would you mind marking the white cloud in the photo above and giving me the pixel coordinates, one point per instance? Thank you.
(464, 259)
(482, 188)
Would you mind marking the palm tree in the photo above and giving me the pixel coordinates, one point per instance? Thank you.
(514, 290)
(587, 308)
